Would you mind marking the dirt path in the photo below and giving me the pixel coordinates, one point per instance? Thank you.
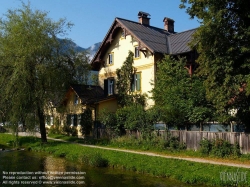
(200, 160)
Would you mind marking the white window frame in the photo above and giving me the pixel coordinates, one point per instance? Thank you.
(51, 120)
(72, 120)
(76, 100)
(137, 52)
(135, 81)
(111, 58)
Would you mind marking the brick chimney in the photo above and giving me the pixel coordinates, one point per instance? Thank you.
(144, 18)
(168, 24)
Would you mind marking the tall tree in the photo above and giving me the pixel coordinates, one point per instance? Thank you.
(223, 44)
(35, 66)
(179, 97)
(125, 78)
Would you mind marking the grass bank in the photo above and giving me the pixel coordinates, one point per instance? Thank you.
(155, 146)
(184, 171)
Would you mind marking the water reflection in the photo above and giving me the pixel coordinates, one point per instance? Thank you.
(17, 161)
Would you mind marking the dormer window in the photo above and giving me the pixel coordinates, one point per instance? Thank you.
(110, 58)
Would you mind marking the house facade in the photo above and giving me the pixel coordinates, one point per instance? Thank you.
(149, 45)
(78, 100)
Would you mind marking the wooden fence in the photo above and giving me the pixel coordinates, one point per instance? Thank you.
(190, 138)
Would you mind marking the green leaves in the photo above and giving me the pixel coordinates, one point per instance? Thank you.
(35, 66)
(224, 52)
(125, 76)
(180, 97)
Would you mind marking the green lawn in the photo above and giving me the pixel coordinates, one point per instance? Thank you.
(185, 171)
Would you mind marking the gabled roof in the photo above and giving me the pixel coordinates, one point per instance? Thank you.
(89, 94)
(178, 43)
(153, 38)
(156, 40)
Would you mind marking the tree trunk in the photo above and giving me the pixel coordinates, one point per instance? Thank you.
(201, 126)
(42, 125)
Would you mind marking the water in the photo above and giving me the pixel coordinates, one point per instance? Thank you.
(40, 168)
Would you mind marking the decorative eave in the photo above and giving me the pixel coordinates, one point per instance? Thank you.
(98, 60)
(141, 45)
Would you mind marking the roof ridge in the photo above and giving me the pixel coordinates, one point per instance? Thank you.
(173, 34)
(145, 25)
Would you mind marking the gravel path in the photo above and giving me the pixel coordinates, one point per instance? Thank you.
(200, 160)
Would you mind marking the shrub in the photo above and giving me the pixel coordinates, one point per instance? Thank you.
(205, 146)
(69, 130)
(86, 122)
(219, 148)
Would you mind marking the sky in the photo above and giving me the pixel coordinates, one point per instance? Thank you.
(93, 18)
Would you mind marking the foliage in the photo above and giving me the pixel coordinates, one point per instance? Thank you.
(133, 117)
(35, 66)
(152, 143)
(86, 122)
(56, 128)
(69, 130)
(224, 54)
(205, 146)
(179, 97)
(109, 119)
(124, 80)
(219, 148)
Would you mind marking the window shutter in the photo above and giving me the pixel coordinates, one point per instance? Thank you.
(68, 122)
(133, 83)
(113, 86)
(75, 120)
(138, 82)
(106, 87)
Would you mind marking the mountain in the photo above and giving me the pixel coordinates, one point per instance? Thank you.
(90, 50)
(93, 49)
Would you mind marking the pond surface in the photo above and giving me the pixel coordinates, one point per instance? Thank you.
(23, 168)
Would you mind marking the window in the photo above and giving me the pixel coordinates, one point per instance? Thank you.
(136, 82)
(111, 59)
(79, 116)
(73, 119)
(137, 52)
(109, 86)
(76, 99)
(49, 120)
(123, 34)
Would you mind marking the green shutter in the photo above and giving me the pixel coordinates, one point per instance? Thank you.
(138, 82)
(106, 87)
(68, 119)
(75, 120)
(133, 83)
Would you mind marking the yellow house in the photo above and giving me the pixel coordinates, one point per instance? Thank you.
(80, 98)
(149, 45)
